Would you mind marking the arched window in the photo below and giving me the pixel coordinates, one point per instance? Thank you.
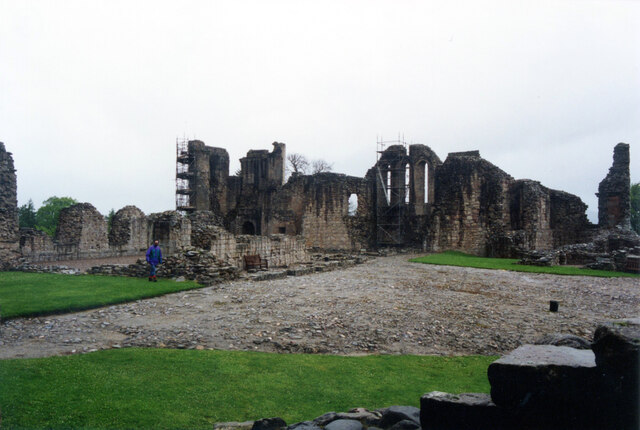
(407, 179)
(426, 184)
(353, 204)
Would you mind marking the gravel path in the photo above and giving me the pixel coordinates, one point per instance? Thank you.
(386, 305)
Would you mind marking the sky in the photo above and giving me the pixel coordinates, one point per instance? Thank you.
(94, 94)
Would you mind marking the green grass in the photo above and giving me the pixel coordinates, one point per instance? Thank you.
(161, 388)
(454, 258)
(30, 294)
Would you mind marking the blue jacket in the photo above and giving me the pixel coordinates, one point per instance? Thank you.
(154, 255)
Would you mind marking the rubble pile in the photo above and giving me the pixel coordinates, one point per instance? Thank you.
(609, 250)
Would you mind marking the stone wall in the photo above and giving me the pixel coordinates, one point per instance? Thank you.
(129, 230)
(321, 211)
(614, 206)
(35, 242)
(409, 198)
(171, 229)
(81, 232)
(471, 204)
(9, 235)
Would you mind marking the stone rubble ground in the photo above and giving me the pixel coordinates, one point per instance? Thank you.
(386, 305)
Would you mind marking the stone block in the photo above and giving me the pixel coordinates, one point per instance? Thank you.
(269, 424)
(344, 424)
(544, 376)
(616, 346)
(394, 414)
(469, 411)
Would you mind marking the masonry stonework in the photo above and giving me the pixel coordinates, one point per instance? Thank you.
(129, 230)
(409, 198)
(614, 206)
(9, 235)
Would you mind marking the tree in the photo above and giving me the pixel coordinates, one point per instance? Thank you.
(27, 215)
(634, 197)
(109, 219)
(320, 166)
(298, 163)
(48, 214)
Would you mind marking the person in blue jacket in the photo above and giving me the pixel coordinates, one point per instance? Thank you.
(154, 257)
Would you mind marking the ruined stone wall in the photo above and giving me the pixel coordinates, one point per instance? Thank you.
(200, 180)
(317, 207)
(206, 228)
(262, 170)
(278, 250)
(530, 214)
(35, 242)
(614, 206)
(81, 232)
(171, 229)
(129, 231)
(471, 204)
(218, 174)
(569, 221)
(9, 235)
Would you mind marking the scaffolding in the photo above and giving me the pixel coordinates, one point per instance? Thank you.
(390, 211)
(184, 177)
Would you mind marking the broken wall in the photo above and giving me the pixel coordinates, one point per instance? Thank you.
(9, 234)
(614, 205)
(81, 232)
(129, 231)
(471, 204)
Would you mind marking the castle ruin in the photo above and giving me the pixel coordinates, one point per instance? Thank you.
(409, 198)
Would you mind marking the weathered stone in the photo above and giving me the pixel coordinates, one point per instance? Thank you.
(81, 232)
(614, 207)
(538, 376)
(129, 230)
(395, 414)
(344, 424)
(616, 346)
(405, 425)
(325, 419)
(8, 211)
(304, 425)
(561, 339)
(269, 424)
(234, 425)
(468, 411)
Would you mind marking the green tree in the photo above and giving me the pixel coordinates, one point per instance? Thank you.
(48, 214)
(109, 219)
(27, 215)
(634, 197)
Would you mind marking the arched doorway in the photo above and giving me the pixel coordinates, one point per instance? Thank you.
(248, 228)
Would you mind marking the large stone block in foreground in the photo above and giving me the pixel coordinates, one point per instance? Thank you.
(616, 346)
(468, 411)
(556, 377)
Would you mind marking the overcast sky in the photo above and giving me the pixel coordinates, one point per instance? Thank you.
(93, 94)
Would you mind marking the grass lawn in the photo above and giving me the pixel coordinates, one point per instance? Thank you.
(30, 294)
(163, 388)
(454, 258)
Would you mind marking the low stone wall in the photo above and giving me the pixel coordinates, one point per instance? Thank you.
(194, 264)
